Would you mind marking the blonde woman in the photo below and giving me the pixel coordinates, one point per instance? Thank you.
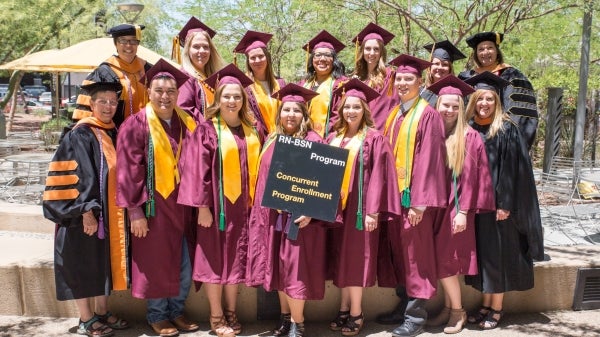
(218, 178)
(511, 238)
(470, 193)
(200, 60)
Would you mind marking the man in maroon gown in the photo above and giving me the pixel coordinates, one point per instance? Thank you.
(416, 132)
(148, 151)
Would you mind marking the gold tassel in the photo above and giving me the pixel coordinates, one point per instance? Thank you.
(235, 59)
(138, 33)
(307, 56)
(498, 38)
(356, 56)
(175, 51)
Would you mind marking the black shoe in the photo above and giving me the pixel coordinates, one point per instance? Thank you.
(284, 326)
(408, 329)
(296, 330)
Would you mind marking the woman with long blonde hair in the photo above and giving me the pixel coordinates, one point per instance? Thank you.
(218, 178)
(200, 60)
(470, 193)
(509, 239)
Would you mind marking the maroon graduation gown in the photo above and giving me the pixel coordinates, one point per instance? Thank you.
(156, 259)
(456, 253)
(191, 97)
(220, 255)
(382, 106)
(295, 267)
(354, 252)
(412, 247)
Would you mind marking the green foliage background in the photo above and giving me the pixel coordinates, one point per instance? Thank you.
(542, 38)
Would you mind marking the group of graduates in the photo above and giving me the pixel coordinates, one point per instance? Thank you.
(160, 182)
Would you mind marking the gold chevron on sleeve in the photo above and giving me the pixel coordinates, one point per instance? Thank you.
(54, 195)
(70, 179)
(67, 165)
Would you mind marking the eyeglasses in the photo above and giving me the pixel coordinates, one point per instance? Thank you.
(129, 42)
(323, 55)
(105, 102)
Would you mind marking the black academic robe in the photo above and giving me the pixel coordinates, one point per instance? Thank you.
(518, 100)
(81, 262)
(506, 249)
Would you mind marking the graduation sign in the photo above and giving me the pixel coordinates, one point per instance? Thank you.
(305, 178)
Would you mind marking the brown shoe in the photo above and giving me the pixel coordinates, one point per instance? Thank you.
(442, 318)
(184, 325)
(164, 328)
(458, 319)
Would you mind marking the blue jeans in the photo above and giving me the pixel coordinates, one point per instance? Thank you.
(160, 309)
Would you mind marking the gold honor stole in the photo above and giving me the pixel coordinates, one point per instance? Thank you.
(404, 150)
(230, 160)
(319, 106)
(267, 105)
(353, 146)
(166, 172)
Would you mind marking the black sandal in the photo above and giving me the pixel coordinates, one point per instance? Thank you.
(490, 322)
(87, 328)
(285, 322)
(338, 323)
(351, 328)
(476, 317)
(119, 324)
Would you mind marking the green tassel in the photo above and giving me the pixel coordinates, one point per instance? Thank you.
(150, 208)
(406, 198)
(359, 221)
(222, 221)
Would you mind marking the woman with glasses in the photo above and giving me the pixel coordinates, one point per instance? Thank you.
(200, 60)
(125, 68)
(80, 198)
(325, 72)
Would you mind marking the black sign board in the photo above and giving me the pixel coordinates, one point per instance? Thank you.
(305, 178)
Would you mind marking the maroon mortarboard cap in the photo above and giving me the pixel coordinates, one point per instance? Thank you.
(444, 50)
(294, 93)
(356, 88)
(476, 39)
(194, 25)
(324, 40)
(373, 32)
(451, 85)
(252, 40)
(228, 75)
(409, 64)
(487, 81)
(164, 68)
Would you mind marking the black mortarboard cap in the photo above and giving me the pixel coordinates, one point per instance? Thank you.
(127, 29)
(444, 50)
(476, 39)
(488, 81)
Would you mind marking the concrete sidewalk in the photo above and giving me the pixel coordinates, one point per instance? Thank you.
(551, 324)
